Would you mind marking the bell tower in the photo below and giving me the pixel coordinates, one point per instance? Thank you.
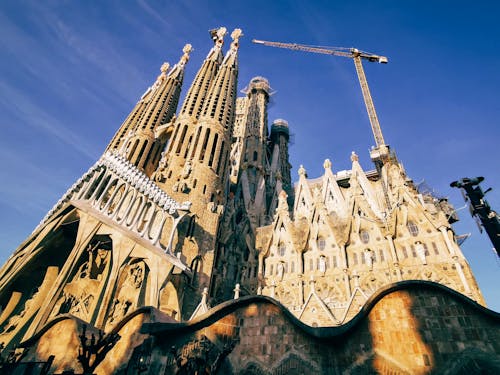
(138, 138)
(194, 168)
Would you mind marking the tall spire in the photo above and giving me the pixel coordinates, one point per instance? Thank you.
(221, 98)
(197, 92)
(135, 139)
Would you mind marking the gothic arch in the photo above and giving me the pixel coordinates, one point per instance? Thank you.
(169, 301)
(51, 250)
(87, 281)
(129, 290)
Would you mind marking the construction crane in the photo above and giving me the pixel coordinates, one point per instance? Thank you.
(356, 55)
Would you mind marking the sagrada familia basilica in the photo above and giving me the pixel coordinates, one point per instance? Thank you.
(187, 249)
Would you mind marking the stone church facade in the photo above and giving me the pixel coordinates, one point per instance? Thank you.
(186, 249)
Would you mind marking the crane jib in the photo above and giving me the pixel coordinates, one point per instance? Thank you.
(356, 55)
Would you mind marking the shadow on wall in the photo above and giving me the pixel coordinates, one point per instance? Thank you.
(411, 327)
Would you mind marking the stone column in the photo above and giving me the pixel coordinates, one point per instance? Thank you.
(449, 245)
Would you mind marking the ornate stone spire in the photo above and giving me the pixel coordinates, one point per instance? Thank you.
(178, 69)
(198, 91)
(221, 99)
(232, 54)
(135, 139)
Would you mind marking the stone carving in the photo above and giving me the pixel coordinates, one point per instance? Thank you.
(79, 295)
(420, 250)
(368, 257)
(130, 285)
(187, 169)
(15, 320)
(199, 357)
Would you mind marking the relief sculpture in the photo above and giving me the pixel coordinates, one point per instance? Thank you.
(129, 291)
(79, 296)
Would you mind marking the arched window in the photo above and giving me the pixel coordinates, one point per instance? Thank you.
(412, 228)
(321, 243)
(281, 249)
(364, 236)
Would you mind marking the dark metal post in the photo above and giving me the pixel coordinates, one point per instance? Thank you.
(480, 208)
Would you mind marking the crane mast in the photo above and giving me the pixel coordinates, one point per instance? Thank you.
(356, 55)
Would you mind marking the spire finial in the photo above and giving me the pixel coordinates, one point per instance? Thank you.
(302, 171)
(164, 67)
(218, 35)
(236, 35)
(282, 203)
(354, 157)
(327, 164)
(188, 48)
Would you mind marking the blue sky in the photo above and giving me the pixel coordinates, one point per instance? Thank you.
(70, 71)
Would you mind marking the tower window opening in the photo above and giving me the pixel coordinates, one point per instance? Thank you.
(169, 174)
(436, 250)
(405, 253)
(426, 249)
(334, 260)
(382, 256)
(311, 265)
(321, 243)
(204, 146)
(212, 152)
(136, 143)
(139, 156)
(364, 236)
(413, 252)
(255, 155)
(157, 153)
(196, 139)
(281, 249)
(194, 183)
(187, 146)
(204, 189)
(221, 153)
(150, 152)
(181, 139)
(412, 228)
(292, 267)
(355, 258)
(271, 269)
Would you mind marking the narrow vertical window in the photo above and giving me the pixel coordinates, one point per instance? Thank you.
(133, 149)
(321, 243)
(412, 228)
(204, 146)
(139, 156)
(364, 236)
(212, 152)
(219, 162)
(434, 246)
(196, 139)
(181, 139)
(187, 146)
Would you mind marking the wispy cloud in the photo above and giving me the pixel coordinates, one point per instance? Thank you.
(30, 114)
